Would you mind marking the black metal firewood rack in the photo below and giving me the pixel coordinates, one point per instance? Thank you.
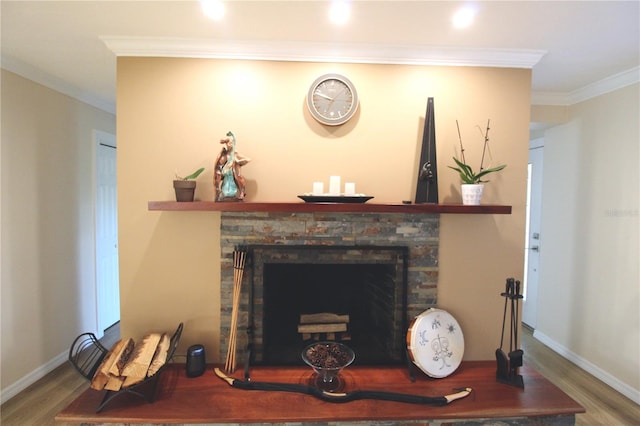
(87, 353)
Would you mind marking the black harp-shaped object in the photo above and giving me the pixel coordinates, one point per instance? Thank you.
(427, 186)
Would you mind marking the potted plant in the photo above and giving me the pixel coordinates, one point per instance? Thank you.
(473, 182)
(185, 187)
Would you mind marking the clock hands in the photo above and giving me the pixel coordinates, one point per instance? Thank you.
(322, 95)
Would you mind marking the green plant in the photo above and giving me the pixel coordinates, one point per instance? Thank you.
(467, 175)
(192, 175)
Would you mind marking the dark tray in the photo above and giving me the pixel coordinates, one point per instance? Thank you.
(335, 198)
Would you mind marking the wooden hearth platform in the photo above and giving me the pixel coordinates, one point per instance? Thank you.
(208, 399)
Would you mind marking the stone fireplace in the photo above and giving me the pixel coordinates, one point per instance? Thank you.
(392, 255)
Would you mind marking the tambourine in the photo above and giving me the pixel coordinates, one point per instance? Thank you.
(435, 343)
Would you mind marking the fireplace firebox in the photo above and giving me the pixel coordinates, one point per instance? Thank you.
(352, 294)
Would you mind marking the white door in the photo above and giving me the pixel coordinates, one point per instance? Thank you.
(107, 275)
(532, 240)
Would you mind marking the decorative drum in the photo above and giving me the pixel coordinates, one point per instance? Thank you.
(435, 343)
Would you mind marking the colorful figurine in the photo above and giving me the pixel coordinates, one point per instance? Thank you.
(227, 179)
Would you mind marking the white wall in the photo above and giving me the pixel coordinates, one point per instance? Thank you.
(48, 267)
(589, 289)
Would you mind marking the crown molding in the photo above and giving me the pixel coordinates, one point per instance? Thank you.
(600, 87)
(606, 85)
(34, 74)
(322, 52)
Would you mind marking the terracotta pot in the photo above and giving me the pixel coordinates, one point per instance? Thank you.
(185, 190)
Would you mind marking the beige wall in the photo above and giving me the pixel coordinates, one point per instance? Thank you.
(172, 113)
(588, 290)
(549, 114)
(48, 267)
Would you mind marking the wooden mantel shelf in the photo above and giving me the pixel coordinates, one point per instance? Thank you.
(301, 207)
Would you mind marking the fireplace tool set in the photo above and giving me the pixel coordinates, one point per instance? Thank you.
(507, 365)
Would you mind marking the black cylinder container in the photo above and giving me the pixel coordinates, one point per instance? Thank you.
(195, 361)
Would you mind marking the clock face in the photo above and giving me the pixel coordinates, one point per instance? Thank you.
(332, 99)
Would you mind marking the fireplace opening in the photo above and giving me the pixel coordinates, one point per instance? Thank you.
(356, 296)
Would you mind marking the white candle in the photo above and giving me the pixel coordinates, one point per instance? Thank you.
(349, 188)
(318, 188)
(334, 185)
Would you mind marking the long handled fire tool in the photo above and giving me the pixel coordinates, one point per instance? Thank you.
(507, 366)
(343, 397)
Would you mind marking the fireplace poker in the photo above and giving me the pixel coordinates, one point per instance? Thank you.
(344, 397)
(516, 355)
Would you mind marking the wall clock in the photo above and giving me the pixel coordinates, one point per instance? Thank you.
(332, 99)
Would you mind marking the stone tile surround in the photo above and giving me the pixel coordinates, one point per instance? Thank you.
(418, 232)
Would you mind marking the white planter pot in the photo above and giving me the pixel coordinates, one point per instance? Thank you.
(472, 194)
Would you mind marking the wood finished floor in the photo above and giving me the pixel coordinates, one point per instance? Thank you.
(40, 402)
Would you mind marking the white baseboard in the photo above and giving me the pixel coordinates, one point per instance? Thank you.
(37, 374)
(597, 372)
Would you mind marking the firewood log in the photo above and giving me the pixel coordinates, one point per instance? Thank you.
(322, 328)
(114, 383)
(101, 377)
(158, 360)
(323, 318)
(139, 361)
(121, 358)
(130, 381)
(160, 356)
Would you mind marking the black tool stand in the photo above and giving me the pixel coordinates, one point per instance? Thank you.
(507, 365)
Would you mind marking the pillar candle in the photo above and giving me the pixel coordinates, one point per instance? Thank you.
(349, 188)
(318, 188)
(334, 185)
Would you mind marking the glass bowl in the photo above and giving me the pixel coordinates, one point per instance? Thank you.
(327, 360)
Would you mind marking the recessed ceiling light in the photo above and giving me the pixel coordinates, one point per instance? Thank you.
(214, 9)
(464, 17)
(339, 12)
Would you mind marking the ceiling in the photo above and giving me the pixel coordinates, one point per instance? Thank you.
(72, 45)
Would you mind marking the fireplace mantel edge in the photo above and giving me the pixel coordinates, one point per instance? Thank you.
(299, 207)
